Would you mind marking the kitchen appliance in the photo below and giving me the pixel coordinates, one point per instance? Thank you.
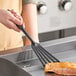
(53, 15)
(63, 49)
(56, 15)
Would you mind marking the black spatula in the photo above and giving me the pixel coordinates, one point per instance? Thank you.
(43, 55)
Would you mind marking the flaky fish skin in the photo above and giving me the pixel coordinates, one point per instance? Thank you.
(62, 68)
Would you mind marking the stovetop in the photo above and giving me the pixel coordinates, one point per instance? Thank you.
(64, 49)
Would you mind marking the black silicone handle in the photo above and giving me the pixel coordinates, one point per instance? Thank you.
(21, 28)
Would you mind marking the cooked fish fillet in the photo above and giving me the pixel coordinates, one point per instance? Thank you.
(63, 68)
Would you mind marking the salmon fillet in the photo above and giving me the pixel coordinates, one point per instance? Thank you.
(63, 68)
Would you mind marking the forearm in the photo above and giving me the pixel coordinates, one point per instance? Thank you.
(29, 15)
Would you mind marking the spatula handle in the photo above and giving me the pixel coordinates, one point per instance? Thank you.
(22, 29)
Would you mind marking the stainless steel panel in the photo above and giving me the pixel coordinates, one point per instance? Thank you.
(8, 68)
(55, 19)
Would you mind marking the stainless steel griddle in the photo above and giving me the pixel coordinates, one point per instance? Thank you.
(64, 49)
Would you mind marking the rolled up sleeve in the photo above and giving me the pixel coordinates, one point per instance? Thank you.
(29, 1)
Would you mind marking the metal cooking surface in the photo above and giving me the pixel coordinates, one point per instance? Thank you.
(8, 68)
(51, 74)
(63, 49)
(37, 70)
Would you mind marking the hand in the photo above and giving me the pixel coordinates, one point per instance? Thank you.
(10, 19)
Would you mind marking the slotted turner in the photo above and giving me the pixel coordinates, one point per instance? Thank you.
(43, 55)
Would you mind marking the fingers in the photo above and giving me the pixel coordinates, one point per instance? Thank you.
(16, 18)
(15, 14)
(13, 26)
(16, 21)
